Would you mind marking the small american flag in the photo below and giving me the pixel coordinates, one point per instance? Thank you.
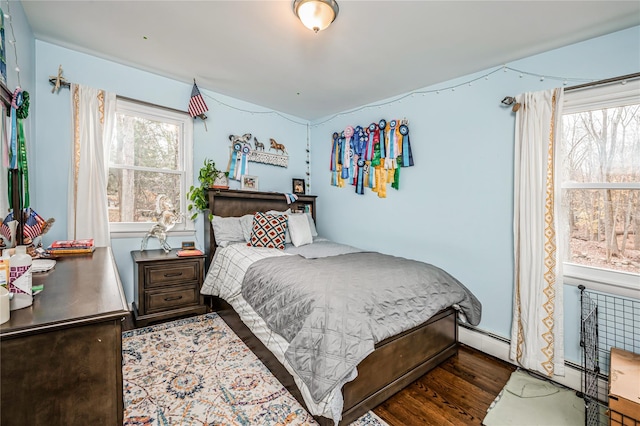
(197, 107)
(4, 228)
(33, 224)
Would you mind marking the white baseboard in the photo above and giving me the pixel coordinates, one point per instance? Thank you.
(499, 348)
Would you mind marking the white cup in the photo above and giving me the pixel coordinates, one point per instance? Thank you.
(5, 310)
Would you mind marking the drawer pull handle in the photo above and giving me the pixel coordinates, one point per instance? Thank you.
(167, 299)
(173, 274)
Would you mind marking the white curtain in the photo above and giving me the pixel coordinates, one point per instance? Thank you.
(93, 116)
(4, 164)
(537, 340)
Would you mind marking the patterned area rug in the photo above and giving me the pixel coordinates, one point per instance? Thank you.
(196, 371)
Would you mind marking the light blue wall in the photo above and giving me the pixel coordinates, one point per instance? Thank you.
(226, 116)
(21, 55)
(24, 48)
(455, 206)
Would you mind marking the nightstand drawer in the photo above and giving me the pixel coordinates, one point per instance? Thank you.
(176, 297)
(166, 285)
(171, 273)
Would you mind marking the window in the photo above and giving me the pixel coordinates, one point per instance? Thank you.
(150, 164)
(600, 186)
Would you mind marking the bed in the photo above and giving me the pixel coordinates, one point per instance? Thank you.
(394, 360)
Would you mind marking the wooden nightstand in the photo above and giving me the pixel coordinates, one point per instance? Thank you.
(166, 286)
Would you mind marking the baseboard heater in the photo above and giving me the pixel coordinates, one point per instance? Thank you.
(498, 347)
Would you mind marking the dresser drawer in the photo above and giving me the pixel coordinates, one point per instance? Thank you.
(171, 273)
(171, 299)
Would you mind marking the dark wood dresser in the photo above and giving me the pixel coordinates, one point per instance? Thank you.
(61, 358)
(166, 285)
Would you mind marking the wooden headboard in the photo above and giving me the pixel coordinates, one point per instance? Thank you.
(235, 203)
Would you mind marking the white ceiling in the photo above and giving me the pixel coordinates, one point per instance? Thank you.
(259, 52)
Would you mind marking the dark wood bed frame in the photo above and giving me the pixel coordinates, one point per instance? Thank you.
(396, 362)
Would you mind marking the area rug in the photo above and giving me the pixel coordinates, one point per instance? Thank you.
(527, 400)
(196, 371)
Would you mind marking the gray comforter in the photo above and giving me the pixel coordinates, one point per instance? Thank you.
(333, 310)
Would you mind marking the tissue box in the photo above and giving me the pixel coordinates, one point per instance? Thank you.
(624, 388)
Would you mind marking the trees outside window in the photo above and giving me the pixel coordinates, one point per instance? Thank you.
(600, 184)
(150, 166)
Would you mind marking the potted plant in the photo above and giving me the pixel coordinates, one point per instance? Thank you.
(210, 177)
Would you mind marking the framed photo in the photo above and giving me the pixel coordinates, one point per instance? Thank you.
(298, 186)
(250, 183)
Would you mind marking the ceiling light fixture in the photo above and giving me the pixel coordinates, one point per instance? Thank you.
(316, 14)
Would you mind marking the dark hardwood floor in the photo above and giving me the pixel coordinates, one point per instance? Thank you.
(457, 392)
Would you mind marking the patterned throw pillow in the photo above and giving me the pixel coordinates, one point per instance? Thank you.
(268, 230)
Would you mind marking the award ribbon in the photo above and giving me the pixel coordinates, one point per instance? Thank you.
(335, 158)
(360, 179)
(407, 155)
(375, 161)
(347, 153)
(334, 150)
(4, 141)
(246, 150)
(233, 167)
(368, 152)
(396, 175)
(22, 164)
(18, 146)
(16, 102)
(382, 125)
(359, 144)
(239, 160)
(390, 160)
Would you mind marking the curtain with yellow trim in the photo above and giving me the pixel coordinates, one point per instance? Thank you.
(4, 163)
(93, 117)
(537, 335)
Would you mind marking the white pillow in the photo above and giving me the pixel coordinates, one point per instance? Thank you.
(312, 225)
(299, 230)
(227, 230)
(246, 223)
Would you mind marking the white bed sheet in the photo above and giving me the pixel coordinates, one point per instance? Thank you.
(224, 279)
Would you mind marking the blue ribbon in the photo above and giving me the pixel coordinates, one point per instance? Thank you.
(392, 140)
(383, 125)
(234, 161)
(368, 155)
(360, 179)
(344, 155)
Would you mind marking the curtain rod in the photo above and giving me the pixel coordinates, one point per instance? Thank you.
(67, 85)
(151, 104)
(605, 81)
(510, 100)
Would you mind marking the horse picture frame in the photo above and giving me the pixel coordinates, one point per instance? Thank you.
(249, 183)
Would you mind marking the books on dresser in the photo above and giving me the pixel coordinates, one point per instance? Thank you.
(71, 247)
(72, 243)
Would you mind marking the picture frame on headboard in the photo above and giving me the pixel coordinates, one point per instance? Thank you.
(298, 186)
(249, 183)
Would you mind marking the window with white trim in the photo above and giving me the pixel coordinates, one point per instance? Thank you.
(599, 175)
(150, 166)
